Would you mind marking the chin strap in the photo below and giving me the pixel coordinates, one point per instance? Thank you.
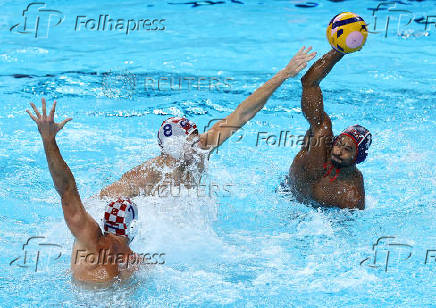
(337, 170)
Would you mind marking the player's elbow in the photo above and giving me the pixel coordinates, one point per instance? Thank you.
(307, 82)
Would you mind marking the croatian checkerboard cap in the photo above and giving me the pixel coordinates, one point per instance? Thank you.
(119, 215)
(175, 127)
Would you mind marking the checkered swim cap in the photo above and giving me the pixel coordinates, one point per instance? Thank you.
(119, 216)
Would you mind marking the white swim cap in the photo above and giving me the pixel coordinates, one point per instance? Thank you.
(173, 134)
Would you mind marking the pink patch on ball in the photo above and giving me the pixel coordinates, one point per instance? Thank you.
(354, 39)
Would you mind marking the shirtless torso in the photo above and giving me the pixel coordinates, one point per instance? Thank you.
(110, 259)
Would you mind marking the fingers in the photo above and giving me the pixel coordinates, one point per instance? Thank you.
(302, 66)
(61, 125)
(31, 115)
(36, 110)
(309, 57)
(44, 107)
(305, 58)
(303, 51)
(52, 111)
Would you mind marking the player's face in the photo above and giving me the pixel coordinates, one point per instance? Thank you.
(343, 152)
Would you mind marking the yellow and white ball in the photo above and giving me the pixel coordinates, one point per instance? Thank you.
(347, 32)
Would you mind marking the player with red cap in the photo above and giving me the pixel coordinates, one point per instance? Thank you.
(324, 171)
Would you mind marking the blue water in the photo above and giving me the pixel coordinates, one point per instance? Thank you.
(243, 244)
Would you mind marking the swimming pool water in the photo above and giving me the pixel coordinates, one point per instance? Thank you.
(239, 243)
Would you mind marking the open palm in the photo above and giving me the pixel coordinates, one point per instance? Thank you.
(46, 125)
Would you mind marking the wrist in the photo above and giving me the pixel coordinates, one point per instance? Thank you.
(48, 139)
(337, 54)
(284, 74)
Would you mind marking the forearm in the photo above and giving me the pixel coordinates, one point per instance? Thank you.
(312, 103)
(257, 100)
(321, 68)
(63, 179)
(223, 129)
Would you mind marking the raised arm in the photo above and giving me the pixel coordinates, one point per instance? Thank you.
(224, 128)
(311, 99)
(81, 224)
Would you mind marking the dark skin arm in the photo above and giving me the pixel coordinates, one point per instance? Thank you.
(313, 108)
(84, 228)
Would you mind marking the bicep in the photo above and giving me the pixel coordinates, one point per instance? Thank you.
(319, 143)
(84, 228)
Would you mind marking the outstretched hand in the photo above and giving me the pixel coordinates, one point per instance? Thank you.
(299, 61)
(46, 125)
